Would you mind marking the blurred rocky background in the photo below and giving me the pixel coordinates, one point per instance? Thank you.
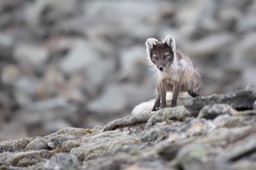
(82, 63)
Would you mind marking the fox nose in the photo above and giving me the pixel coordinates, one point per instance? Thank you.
(161, 68)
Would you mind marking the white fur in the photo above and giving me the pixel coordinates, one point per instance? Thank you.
(146, 107)
(168, 96)
(149, 45)
(184, 95)
(143, 107)
(170, 41)
(181, 95)
(174, 68)
(185, 65)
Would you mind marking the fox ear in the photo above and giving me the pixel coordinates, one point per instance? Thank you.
(150, 43)
(170, 41)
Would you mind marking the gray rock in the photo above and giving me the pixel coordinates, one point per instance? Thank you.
(22, 99)
(151, 118)
(221, 120)
(133, 63)
(248, 74)
(240, 99)
(10, 74)
(52, 103)
(60, 9)
(244, 164)
(122, 96)
(200, 126)
(157, 134)
(127, 121)
(5, 4)
(12, 131)
(92, 147)
(233, 121)
(212, 111)
(61, 161)
(251, 86)
(209, 45)
(142, 32)
(29, 55)
(148, 165)
(206, 19)
(188, 15)
(5, 156)
(123, 8)
(193, 156)
(84, 58)
(33, 12)
(176, 113)
(238, 150)
(27, 85)
(246, 23)
(103, 21)
(15, 145)
(80, 57)
(28, 158)
(97, 74)
(229, 17)
(7, 44)
(192, 143)
(37, 144)
(254, 105)
(246, 53)
(111, 101)
(234, 3)
(37, 116)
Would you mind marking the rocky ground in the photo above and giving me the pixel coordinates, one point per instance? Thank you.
(214, 132)
(82, 63)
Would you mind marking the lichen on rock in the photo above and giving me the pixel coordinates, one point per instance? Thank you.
(201, 133)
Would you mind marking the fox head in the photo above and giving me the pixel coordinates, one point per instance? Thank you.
(161, 53)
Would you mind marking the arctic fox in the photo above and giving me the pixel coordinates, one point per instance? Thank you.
(176, 72)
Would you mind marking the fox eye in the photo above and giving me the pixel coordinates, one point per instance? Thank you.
(154, 57)
(166, 56)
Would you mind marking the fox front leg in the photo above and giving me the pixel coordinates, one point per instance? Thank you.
(157, 101)
(160, 101)
(176, 90)
(162, 91)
